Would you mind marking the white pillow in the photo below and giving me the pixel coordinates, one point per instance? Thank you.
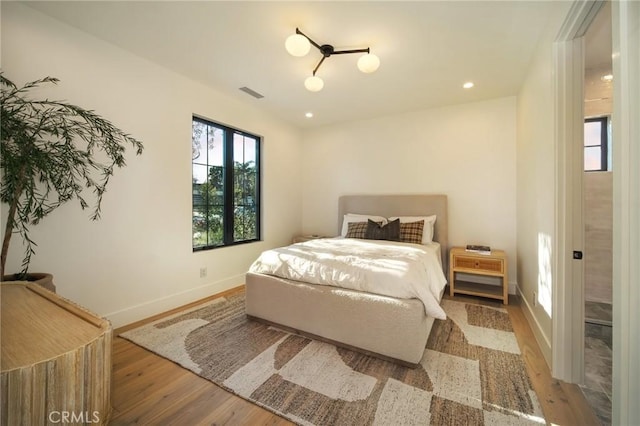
(427, 231)
(354, 217)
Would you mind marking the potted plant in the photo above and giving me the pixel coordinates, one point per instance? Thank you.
(51, 152)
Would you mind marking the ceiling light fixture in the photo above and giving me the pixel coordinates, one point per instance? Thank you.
(299, 44)
(468, 85)
(313, 83)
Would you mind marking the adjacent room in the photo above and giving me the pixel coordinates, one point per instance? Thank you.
(318, 213)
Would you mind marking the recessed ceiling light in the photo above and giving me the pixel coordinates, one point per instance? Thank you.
(608, 77)
(309, 115)
(468, 85)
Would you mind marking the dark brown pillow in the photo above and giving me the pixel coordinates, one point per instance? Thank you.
(390, 231)
(411, 232)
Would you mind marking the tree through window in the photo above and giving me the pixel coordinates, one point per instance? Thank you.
(226, 185)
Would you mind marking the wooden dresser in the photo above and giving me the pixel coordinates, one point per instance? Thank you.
(56, 359)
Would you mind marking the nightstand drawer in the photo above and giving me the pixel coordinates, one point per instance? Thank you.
(494, 265)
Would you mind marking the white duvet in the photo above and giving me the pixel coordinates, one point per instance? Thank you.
(388, 268)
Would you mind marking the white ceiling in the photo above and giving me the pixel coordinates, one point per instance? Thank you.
(427, 49)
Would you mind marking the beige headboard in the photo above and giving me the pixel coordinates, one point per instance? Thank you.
(402, 205)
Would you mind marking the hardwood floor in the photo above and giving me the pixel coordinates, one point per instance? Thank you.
(562, 403)
(149, 390)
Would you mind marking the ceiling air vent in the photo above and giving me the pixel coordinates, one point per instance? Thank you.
(251, 92)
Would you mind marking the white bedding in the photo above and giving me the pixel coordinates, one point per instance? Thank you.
(388, 268)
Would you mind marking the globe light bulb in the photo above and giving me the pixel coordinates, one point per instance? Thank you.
(297, 45)
(368, 63)
(314, 84)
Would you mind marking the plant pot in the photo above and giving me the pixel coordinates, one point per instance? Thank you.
(43, 279)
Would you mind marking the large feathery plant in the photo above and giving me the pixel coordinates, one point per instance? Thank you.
(52, 152)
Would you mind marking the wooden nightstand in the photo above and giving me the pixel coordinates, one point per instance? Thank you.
(303, 238)
(492, 265)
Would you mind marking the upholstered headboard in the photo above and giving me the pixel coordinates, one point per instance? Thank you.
(402, 205)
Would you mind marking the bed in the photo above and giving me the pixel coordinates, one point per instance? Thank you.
(388, 327)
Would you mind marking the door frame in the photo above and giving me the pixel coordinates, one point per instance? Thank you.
(626, 211)
(567, 321)
(567, 355)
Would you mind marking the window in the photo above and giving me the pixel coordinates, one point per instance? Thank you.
(226, 185)
(596, 144)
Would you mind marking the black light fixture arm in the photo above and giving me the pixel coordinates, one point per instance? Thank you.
(319, 63)
(327, 50)
(308, 38)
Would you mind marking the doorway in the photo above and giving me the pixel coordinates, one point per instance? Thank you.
(597, 191)
(568, 314)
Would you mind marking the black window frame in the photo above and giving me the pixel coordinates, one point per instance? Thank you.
(228, 179)
(604, 143)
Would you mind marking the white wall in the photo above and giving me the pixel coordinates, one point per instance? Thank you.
(598, 196)
(598, 94)
(598, 236)
(536, 185)
(137, 260)
(465, 151)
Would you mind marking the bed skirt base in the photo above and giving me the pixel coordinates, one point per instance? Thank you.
(333, 342)
(392, 329)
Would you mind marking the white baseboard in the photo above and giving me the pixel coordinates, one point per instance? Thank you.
(541, 337)
(166, 303)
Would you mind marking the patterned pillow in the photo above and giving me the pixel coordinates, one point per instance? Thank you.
(390, 231)
(411, 232)
(356, 230)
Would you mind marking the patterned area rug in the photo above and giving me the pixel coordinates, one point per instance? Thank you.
(471, 372)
